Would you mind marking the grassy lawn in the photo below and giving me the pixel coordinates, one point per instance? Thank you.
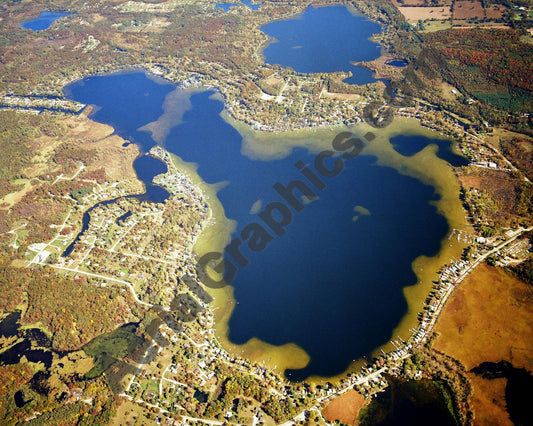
(433, 26)
(527, 39)
(110, 347)
(130, 413)
(150, 386)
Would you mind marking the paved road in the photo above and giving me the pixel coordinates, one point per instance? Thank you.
(103, 277)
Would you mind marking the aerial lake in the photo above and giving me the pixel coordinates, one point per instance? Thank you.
(399, 63)
(226, 6)
(324, 39)
(43, 21)
(334, 283)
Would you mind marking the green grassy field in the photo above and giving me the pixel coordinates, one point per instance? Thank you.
(109, 347)
(433, 26)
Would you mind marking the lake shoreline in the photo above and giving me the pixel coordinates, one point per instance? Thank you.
(426, 268)
(267, 145)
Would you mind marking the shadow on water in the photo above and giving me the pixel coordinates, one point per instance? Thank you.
(201, 396)
(9, 325)
(410, 403)
(399, 63)
(409, 145)
(517, 391)
(34, 346)
(14, 354)
(19, 399)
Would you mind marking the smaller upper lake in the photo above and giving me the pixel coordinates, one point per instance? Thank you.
(44, 20)
(324, 39)
(227, 6)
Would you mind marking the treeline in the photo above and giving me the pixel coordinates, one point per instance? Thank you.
(520, 152)
(498, 56)
(497, 199)
(241, 387)
(11, 284)
(524, 271)
(16, 144)
(73, 310)
(47, 400)
(491, 69)
(38, 210)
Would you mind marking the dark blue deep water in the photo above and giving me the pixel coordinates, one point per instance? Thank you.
(324, 39)
(118, 113)
(412, 144)
(400, 63)
(43, 21)
(331, 284)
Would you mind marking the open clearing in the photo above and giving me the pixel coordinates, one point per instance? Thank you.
(468, 9)
(462, 12)
(494, 11)
(488, 319)
(423, 13)
(344, 407)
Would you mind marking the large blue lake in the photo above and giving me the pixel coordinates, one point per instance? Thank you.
(324, 39)
(333, 283)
